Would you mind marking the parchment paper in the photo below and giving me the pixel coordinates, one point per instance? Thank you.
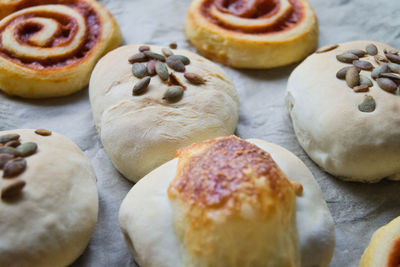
(358, 209)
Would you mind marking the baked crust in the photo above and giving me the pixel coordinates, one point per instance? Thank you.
(384, 247)
(287, 33)
(151, 217)
(52, 55)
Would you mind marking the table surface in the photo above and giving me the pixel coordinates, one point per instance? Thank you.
(358, 209)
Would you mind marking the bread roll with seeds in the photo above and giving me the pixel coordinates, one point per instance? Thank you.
(142, 131)
(352, 133)
(228, 202)
(252, 34)
(49, 209)
(384, 248)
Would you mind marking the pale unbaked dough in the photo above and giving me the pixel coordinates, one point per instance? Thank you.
(344, 141)
(139, 133)
(147, 216)
(51, 223)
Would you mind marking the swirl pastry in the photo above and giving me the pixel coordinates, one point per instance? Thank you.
(345, 110)
(231, 203)
(252, 33)
(49, 200)
(384, 248)
(143, 117)
(48, 48)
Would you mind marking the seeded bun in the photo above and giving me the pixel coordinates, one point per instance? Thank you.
(252, 34)
(225, 196)
(384, 248)
(49, 220)
(141, 130)
(352, 135)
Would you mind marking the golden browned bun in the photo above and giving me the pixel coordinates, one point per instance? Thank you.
(228, 202)
(239, 194)
(384, 248)
(48, 48)
(253, 34)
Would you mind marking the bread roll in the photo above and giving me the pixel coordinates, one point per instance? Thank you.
(48, 48)
(352, 133)
(228, 202)
(49, 206)
(141, 132)
(384, 248)
(253, 34)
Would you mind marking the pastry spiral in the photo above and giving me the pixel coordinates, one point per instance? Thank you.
(253, 33)
(48, 48)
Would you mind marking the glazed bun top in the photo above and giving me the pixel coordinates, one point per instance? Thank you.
(229, 197)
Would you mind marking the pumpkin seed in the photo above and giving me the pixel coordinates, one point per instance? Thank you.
(393, 76)
(43, 132)
(393, 58)
(357, 52)
(387, 84)
(380, 59)
(12, 188)
(139, 70)
(352, 77)
(8, 137)
(162, 70)
(139, 57)
(346, 57)
(173, 45)
(4, 158)
(392, 51)
(173, 94)
(378, 70)
(13, 143)
(364, 65)
(167, 52)
(14, 167)
(341, 74)
(143, 48)
(175, 64)
(185, 60)
(394, 67)
(9, 150)
(372, 49)
(154, 55)
(368, 104)
(194, 78)
(326, 48)
(173, 80)
(27, 149)
(365, 81)
(361, 88)
(141, 86)
(151, 67)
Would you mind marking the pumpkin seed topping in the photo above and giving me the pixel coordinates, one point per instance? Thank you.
(368, 104)
(372, 49)
(352, 77)
(326, 48)
(378, 70)
(4, 158)
(139, 70)
(194, 78)
(12, 188)
(141, 86)
(8, 137)
(364, 65)
(154, 55)
(175, 63)
(173, 94)
(346, 57)
(14, 167)
(173, 45)
(27, 149)
(43, 132)
(361, 88)
(139, 57)
(162, 70)
(143, 48)
(387, 84)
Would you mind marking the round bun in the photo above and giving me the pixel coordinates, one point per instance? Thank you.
(140, 132)
(49, 208)
(253, 34)
(228, 202)
(350, 133)
(384, 248)
(49, 48)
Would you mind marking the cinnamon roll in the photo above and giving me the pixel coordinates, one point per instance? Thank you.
(253, 33)
(48, 48)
